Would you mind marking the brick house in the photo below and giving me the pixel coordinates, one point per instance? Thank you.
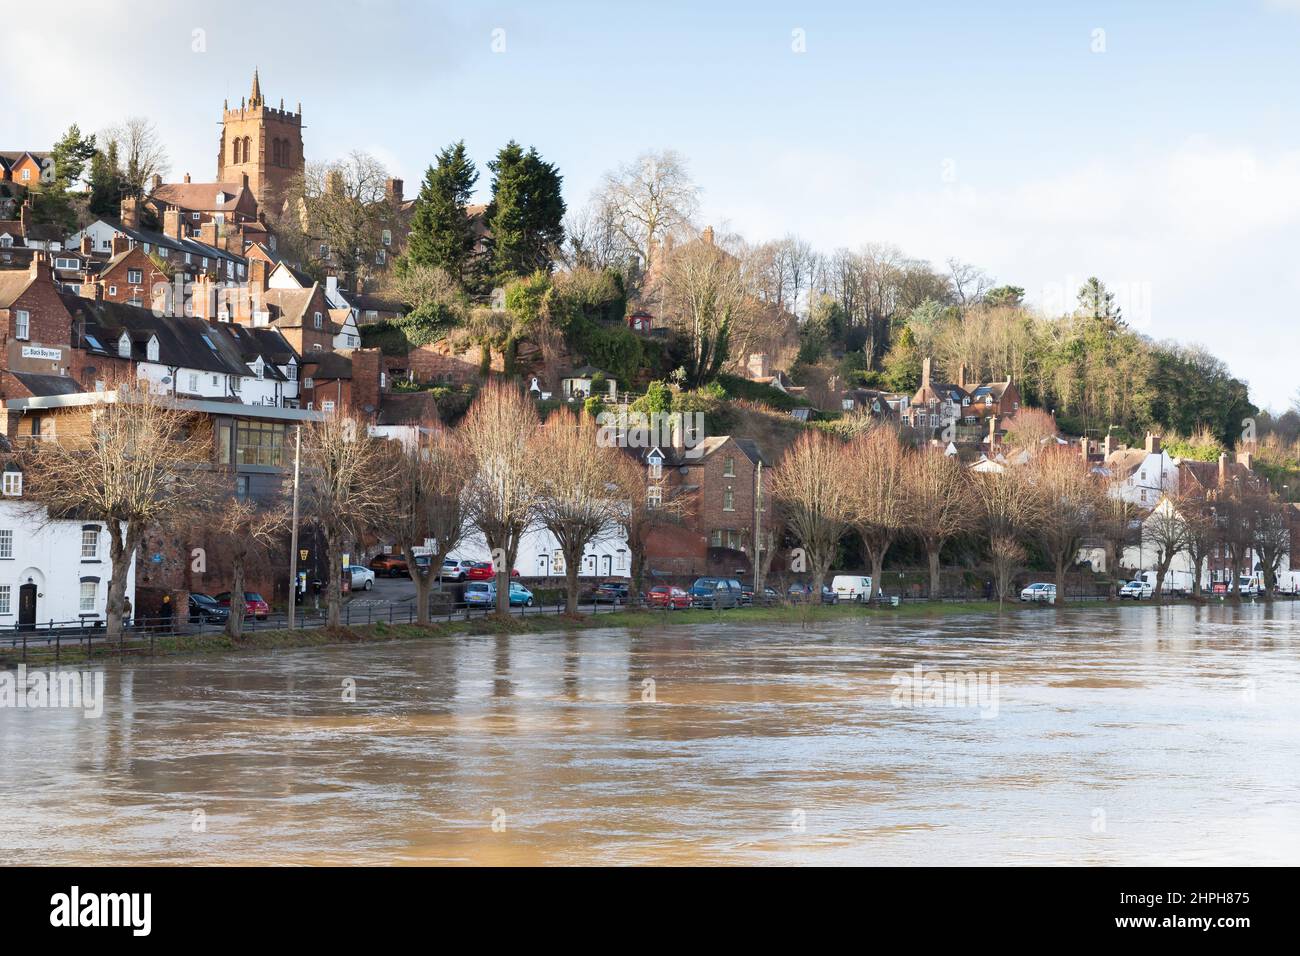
(34, 322)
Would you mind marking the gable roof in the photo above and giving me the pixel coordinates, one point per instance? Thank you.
(13, 283)
(201, 197)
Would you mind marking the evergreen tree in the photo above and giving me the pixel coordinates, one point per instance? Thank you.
(71, 153)
(105, 183)
(441, 233)
(526, 215)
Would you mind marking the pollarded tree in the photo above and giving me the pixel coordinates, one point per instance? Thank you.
(1070, 499)
(426, 503)
(139, 465)
(1009, 509)
(1165, 531)
(501, 496)
(576, 501)
(810, 490)
(875, 467)
(245, 532)
(345, 487)
(938, 504)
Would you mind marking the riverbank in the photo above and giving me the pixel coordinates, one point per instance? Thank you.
(793, 616)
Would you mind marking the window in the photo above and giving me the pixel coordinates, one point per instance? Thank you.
(234, 384)
(327, 406)
(69, 264)
(729, 468)
(13, 480)
(22, 324)
(193, 381)
(88, 591)
(728, 500)
(654, 496)
(134, 276)
(259, 371)
(656, 468)
(27, 174)
(151, 350)
(146, 248)
(163, 251)
(6, 543)
(89, 544)
(124, 346)
(388, 237)
(188, 258)
(292, 372)
(6, 591)
(324, 251)
(715, 538)
(112, 290)
(6, 240)
(317, 320)
(381, 257)
(259, 443)
(316, 347)
(195, 217)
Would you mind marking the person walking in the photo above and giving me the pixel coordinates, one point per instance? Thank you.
(165, 614)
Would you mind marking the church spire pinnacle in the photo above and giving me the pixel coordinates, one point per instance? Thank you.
(255, 99)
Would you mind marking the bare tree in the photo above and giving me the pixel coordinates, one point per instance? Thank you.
(1070, 498)
(1200, 534)
(939, 504)
(592, 239)
(1030, 429)
(1009, 508)
(140, 153)
(1237, 508)
(1119, 525)
(809, 489)
(576, 500)
(1272, 540)
(345, 487)
(875, 468)
(139, 465)
(1165, 530)
(706, 294)
(649, 199)
(245, 531)
(426, 503)
(343, 204)
(500, 498)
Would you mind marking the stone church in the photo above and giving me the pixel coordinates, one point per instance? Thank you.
(263, 142)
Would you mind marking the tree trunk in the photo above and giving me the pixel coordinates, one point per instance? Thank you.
(638, 574)
(1159, 596)
(1060, 580)
(570, 585)
(333, 580)
(235, 622)
(121, 547)
(934, 575)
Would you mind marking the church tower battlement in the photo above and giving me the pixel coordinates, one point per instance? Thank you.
(262, 142)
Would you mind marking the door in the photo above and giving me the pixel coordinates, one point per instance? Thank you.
(27, 607)
(544, 565)
(608, 561)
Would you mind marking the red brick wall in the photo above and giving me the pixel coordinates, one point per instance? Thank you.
(49, 326)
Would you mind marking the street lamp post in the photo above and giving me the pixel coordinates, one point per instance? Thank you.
(293, 533)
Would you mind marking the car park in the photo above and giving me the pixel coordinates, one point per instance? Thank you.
(1039, 591)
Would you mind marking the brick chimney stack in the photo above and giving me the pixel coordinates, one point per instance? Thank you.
(707, 235)
(993, 431)
(25, 216)
(208, 233)
(961, 376)
(87, 244)
(393, 190)
(40, 267)
(131, 213)
(1153, 444)
(257, 276)
(366, 366)
(173, 223)
(925, 372)
(157, 181)
(758, 366)
(120, 244)
(1223, 470)
(187, 178)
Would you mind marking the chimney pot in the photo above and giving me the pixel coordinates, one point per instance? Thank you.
(187, 177)
(925, 372)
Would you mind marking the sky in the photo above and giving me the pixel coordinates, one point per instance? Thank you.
(1154, 145)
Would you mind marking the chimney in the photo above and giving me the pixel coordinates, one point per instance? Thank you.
(157, 182)
(925, 372)
(40, 267)
(187, 178)
(1246, 459)
(393, 190)
(131, 213)
(257, 277)
(120, 244)
(707, 235)
(1153, 444)
(366, 367)
(96, 291)
(25, 216)
(1223, 469)
(244, 180)
(208, 233)
(993, 430)
(961, 376)
(173, 223)
(758, 367)
(1107, 446)
(87, 244)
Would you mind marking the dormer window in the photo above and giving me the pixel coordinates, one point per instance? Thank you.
(656, 468)
(151, 350)
(291, 371)
(13, 483)
(221, 198)
(258, 370)
(124, 346)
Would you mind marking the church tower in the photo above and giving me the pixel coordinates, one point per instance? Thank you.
(262, 143)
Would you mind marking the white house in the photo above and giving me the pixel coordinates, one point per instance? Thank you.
(1142, 476)
(51, 571)
(540, 555)
(578, 385)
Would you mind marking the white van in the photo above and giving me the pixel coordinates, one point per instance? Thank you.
(852, 587)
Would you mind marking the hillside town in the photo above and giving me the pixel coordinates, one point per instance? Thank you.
(469, 384)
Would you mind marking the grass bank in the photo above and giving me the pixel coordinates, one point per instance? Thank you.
(382, 632)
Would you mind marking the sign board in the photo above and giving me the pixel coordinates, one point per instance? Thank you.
(302, 554)
(36, 352)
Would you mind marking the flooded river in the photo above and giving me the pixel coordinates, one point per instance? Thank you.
(1129, 735)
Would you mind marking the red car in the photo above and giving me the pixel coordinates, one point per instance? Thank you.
(674, 599)
(482, 571)
(254, 605)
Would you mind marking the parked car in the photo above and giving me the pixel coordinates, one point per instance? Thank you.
(1039, 591)
(207, 610)
(392, 565)
(254, 605)
(803, 593)
(715, 592)
(770, 595)
(455, 569)
(484, 594)
(852, 587)
(1137, 590)
(611, 592)
(483, 571)
(674, 599)
(363, 579)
